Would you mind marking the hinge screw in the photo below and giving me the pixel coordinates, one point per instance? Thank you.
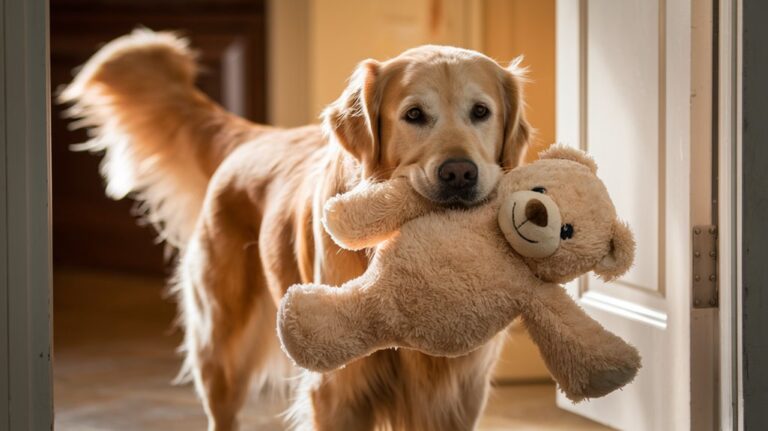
(696, 302)
(697, 278)
(712, 277)
(712, 253)
(712, 230)
(696, 231)
(712, 302)
(696, 254)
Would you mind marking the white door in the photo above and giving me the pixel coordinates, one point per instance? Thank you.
(624, 93)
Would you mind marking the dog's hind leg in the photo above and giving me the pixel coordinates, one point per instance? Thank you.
(228, 315)
(355, 397)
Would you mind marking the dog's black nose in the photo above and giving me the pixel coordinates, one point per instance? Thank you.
(458, 173)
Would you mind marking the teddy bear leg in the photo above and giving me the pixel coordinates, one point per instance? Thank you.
(585, 359)
(324, 327)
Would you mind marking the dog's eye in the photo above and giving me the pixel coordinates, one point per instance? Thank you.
(415, 116)
(479, 112)
(566, 232)
(539, 189)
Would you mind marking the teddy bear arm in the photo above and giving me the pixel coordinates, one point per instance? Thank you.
(371, 213)
(322, 328)
(586, 360)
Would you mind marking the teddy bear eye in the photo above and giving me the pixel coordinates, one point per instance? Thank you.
(566, 232)
(539, 189)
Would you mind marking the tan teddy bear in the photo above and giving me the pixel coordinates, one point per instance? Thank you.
(445, 282)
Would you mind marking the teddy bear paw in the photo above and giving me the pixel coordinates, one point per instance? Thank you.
(606, 381)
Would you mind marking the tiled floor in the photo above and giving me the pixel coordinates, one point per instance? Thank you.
(114, 361)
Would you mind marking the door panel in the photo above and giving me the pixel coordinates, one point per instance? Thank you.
(623, 94)
(624, 90)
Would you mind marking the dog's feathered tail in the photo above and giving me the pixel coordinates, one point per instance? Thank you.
(162, 138)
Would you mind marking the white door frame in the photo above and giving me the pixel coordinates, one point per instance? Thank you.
(729, 213)
(25, 228)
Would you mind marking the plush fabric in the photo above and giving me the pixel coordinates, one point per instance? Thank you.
(444, 282)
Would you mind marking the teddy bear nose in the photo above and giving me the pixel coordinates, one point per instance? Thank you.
(536, 212)
(458, 173)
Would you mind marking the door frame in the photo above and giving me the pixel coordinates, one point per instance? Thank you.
(751, 129)
(730, 213)
(25, 265)
(25, 228)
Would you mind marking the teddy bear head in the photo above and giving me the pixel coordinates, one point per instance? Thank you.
(557, 214)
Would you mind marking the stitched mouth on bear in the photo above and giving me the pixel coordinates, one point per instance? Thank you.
(517, 227)
(530, 222)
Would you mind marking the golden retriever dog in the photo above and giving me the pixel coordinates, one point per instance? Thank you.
(242, 203)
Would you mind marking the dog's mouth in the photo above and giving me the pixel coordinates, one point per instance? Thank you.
(450, 198)
(458, 199)
(449, 195)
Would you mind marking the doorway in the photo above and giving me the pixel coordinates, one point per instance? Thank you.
(114, 337)
(39, 277)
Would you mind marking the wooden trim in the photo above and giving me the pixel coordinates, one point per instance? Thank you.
(704, 321)
(25, 272)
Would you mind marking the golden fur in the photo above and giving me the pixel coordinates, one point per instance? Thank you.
(242, 203)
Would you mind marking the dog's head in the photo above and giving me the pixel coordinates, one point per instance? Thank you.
(449, 119)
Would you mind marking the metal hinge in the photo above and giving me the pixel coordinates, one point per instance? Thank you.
(704, 267)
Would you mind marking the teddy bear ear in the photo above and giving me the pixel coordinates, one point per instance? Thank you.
(560, 151)
(620, 255)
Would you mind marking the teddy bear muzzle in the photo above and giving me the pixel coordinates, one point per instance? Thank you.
(531, 223)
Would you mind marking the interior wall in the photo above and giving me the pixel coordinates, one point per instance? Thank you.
(524, 27)
(343, 33)
(289, 74)
(315, 45)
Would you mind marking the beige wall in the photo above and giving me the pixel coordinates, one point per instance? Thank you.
(315, 45)
(344, 32)
(527, 27)
(289, 74)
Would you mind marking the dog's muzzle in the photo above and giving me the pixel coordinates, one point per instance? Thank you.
(457, 179)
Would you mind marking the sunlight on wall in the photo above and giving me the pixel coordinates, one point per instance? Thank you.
(524, 27)
(343, 33)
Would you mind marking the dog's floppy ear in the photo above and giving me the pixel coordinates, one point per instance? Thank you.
(517, 131)
(354, 118)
